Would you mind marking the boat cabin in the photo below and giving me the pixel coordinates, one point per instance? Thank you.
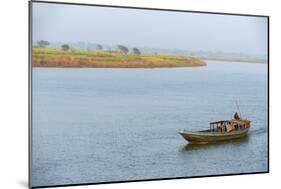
(229, 125)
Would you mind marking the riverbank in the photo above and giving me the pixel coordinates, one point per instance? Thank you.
(52, 57)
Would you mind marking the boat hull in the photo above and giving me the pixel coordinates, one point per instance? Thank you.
(203, 137)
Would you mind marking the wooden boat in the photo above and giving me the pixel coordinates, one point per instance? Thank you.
(219, 131)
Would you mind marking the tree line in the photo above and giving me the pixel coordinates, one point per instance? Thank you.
(65, 47)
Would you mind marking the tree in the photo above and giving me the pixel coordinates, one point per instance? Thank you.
(136, 51)
(42, 43)
(65, 47)
(99, 47)
(123, 49)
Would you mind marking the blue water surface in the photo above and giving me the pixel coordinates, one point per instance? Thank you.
(99, 125)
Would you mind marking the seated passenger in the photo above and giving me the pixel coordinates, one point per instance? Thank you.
(236, 116)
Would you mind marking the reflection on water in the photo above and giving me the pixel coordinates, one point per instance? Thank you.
(192, 147)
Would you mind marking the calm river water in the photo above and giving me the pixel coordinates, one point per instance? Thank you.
(99, 125)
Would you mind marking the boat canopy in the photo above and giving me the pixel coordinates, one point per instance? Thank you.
(219, 122)
(232, 121)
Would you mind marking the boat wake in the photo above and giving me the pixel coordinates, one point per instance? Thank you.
(257, 131)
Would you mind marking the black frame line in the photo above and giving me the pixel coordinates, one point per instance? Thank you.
(30, 40)
(146, 8)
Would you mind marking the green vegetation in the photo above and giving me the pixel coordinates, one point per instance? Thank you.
(55, 57)
(123, 49)
(99, 47)
(42, 43)
(65, 47)
(136, 51)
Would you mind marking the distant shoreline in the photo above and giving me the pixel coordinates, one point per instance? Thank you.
(234, 60)
(51, 57)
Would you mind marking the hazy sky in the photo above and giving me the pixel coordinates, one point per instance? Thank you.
(148, 28)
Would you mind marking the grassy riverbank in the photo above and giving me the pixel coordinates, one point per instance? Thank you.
(52, 57)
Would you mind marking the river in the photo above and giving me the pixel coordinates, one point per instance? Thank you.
(95, 125)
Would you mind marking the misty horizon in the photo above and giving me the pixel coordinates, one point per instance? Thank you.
(150, 29)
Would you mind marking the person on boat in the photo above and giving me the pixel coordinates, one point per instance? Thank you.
(236, 116)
